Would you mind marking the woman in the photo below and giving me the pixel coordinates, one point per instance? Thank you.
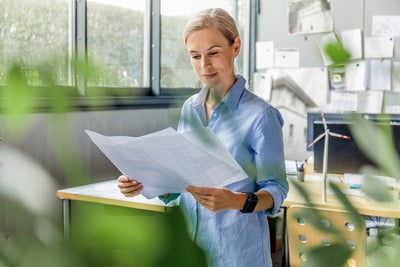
(230, 223)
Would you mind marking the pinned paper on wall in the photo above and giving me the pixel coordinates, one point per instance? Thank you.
(309, 16)
(262, 84)
(313, 81)
(378, 47)
(396, 76)
(379, 72)
(287, 57)
(388, 26)
(264, 55)
(343, 101)
(352, 42)
(370, 102)
(356, 76)
(391, 103)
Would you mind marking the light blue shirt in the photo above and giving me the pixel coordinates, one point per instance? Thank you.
(251, 130)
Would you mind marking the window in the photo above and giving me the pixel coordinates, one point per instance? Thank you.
(176, 70)
(291, 133)
(114, 38)
(116, 43)
(35, 35)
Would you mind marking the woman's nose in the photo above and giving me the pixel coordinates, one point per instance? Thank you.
(205, 62)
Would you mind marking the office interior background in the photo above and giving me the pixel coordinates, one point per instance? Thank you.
(121, 68)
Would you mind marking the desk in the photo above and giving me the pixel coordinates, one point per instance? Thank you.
(313, 185)
(107, 193)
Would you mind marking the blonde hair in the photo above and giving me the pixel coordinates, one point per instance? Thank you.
(213, 18)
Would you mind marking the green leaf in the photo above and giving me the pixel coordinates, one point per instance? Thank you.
(335, 255)
(374, 187)
(353, 213)
(376, 141)
(337, 53)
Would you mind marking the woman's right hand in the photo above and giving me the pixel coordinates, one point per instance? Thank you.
(129, 187)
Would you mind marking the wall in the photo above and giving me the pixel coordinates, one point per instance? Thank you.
(59, 144)
(273, 25)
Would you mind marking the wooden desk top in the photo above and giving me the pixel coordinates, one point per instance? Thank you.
(363, 204)
(107, 193)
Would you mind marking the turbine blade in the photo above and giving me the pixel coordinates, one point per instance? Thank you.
(316, 139)
(324, 121)
(339, 135)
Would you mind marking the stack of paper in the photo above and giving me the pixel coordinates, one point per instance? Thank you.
(167, 161)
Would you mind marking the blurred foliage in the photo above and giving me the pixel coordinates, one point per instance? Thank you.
(99, 237)
(337, 53)
(134, 238)
(118, 237)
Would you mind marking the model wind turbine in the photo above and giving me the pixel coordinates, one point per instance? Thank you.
(326, 134)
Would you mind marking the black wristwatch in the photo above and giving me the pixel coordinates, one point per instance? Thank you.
(250, 204)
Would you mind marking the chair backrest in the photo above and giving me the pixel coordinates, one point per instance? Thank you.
(303, 235)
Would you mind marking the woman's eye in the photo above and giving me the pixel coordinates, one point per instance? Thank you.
(213, 53)
(194, 56)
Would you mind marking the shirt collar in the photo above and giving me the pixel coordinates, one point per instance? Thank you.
(232, 98)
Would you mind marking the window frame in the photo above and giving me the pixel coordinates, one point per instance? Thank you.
(151, 95)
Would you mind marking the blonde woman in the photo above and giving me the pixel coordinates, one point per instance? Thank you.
(229, 223)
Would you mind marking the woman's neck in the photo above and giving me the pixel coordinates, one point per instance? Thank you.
(215, 95)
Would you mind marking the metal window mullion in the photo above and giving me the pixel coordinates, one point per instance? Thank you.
(147, 45)
(71, 41)
(254, 11)
(155, 51)
(81, 45)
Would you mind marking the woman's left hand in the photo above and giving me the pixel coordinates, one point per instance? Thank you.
(216, 199)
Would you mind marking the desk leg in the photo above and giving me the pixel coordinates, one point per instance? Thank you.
(66, 216)
(285, 247)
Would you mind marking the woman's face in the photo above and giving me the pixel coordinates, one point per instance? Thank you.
(212, 57)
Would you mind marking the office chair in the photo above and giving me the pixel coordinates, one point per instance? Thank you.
(325, 235)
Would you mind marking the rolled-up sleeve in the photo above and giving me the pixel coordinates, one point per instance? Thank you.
(267, 143)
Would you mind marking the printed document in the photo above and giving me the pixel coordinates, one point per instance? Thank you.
(167, 161)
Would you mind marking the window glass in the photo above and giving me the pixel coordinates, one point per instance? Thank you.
(115, 33)
(176, 70)
(34, 36)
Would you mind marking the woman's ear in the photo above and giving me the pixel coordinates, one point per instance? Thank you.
(236, 46)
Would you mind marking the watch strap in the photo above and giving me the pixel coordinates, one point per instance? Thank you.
(251, 203)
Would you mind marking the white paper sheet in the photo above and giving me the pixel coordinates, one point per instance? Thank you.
(352, 42)
(379, 72)
(370, 102)
(343, 101)
(378, 47)
(264, 55)
(307, 16)
(395, 76)
(356, 76)
(167, 162)
(386, 26)
(287, 57)
(262, 85)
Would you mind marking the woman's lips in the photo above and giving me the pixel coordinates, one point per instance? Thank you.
(209, 76)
